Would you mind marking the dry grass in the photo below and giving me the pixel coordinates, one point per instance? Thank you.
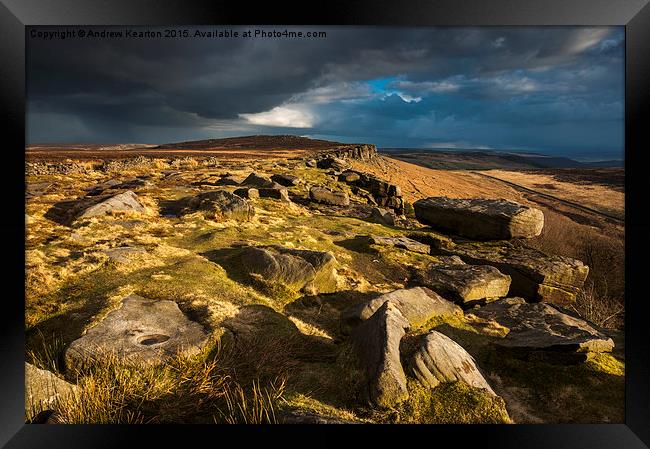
(184, 390)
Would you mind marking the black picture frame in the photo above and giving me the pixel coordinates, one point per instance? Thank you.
(15, 15)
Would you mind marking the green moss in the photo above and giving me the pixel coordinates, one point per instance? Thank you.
(605, 363)
(450, 403)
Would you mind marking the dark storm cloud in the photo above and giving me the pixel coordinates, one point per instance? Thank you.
(497, 87)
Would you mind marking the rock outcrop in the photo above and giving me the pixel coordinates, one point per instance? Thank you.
(377, 342)
(535, 275)
(417, 305)
(439, 359)
(333, 162)
(382, 216)
(286, 179)
(311, 272)
(280, 193)
(140, 331)
(221, 205)
(327, 196)
(542, 327)
(465, 284)
(383, 193)
(123, 202)
(480, 219)
(259, 181)
(248, 193)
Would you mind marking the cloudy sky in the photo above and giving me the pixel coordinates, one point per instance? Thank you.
(557, 90)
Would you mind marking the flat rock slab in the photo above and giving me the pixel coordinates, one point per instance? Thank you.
(123, 202)
(124, 254)
(418, 305)
(43, 389)
(401, 242)
(141, 331)
(440, 359)
(535, 276)
(465, 284)
(480, 219)
(310, 272)
(377, 342)
(327, 196)
(221, 205)
(542, 327)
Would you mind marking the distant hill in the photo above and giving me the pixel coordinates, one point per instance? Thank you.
(485, 160)
(259, 142)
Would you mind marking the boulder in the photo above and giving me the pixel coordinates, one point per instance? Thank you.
(535, 275)
(440, 359)
(276, 193)
(349, 176)
(257, 180)
(228, 181)
(541, 326)
(417, 305)
(311, 163)
(311, 272)
(327, 196)
(480, 219)
(401, 242)
(465, 284)
(43, 390)
(222, 205)
(334, 163)
(140, 331)
(382, 216)
(249, 193)
(377, 342)
(286, 179)
(123, 202)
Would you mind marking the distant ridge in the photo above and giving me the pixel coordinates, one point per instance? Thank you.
(257, 142)
(487, 159)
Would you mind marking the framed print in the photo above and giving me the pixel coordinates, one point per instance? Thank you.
(424, 218)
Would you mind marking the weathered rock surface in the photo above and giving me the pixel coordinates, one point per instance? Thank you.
(286, 179)
(140, 331)
(535, 275)
(222, 205)
(259, 181)
(349, 176)
(123, 202)
(401, 242)
(249, 193)
(382, 216)
(43, 389)
(124, 254)
(465, 283)
(311, 272)
(436, 241)
(364, 152)
(542, 326)
(418, 305)
(480, 219)
(439, 359)
(334, 163)
(327, 196)
(377, 343)
(228, 181)
(276, 193)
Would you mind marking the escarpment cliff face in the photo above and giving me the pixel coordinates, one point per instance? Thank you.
(363, 152)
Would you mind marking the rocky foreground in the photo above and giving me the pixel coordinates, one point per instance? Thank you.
(368, 308)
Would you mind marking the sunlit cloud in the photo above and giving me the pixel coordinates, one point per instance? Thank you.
(281, 116)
